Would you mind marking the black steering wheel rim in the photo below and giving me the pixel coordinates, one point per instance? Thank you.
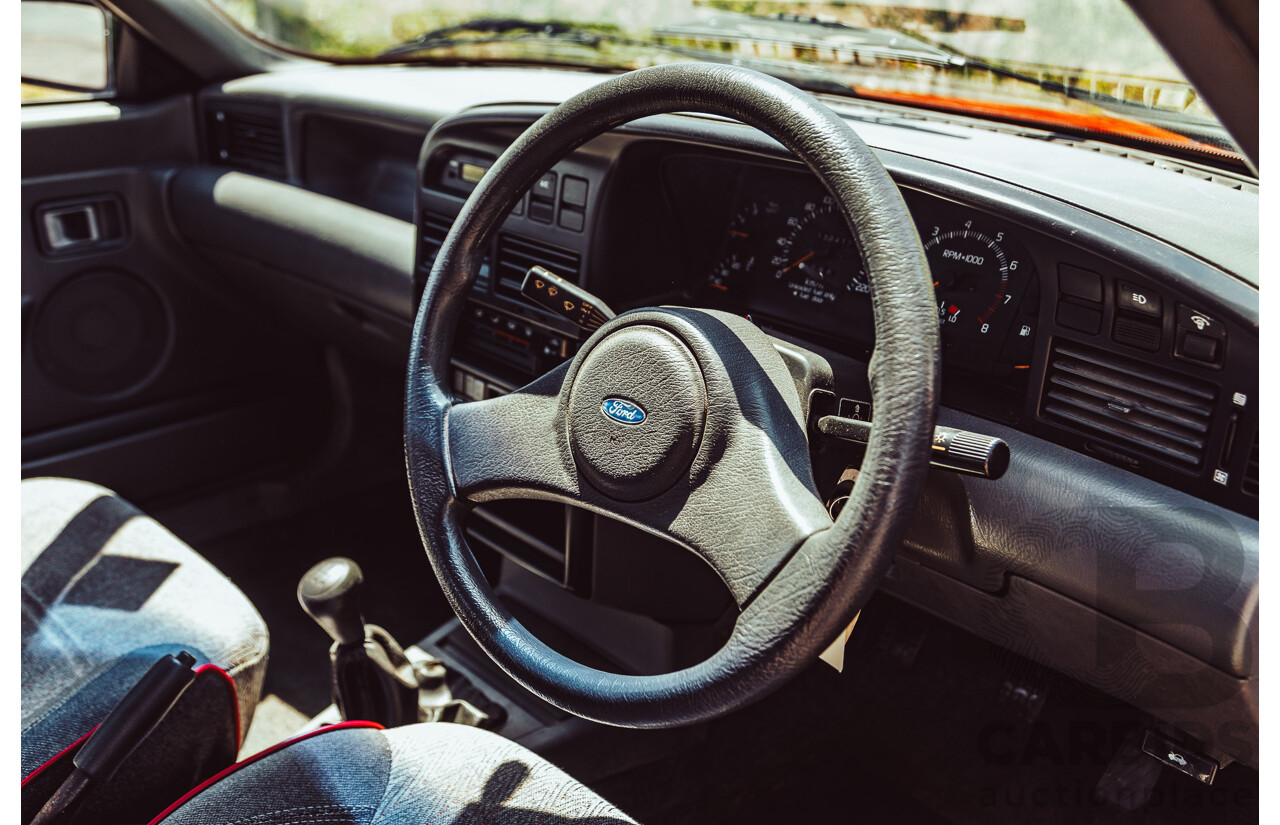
(821, 583)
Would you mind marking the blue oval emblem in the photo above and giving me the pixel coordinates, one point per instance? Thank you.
(622, 411)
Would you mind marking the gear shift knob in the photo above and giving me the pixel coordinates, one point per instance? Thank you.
(330, 593)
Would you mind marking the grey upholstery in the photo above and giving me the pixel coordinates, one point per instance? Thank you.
(441, 774)
(106, 591)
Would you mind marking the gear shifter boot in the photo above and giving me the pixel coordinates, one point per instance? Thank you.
(371, 676)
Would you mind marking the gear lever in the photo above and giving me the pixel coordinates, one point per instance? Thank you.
(364, 680)
(371, 677)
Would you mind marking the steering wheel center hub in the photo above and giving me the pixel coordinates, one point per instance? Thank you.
(636, 412)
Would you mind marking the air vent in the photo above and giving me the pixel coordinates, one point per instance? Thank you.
(1158, 414)
(530, 533)
(431, 231)
(1250, 483)
(516, 255)
(247, 136)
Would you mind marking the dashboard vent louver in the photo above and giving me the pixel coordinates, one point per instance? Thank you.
(1250, 483)
(248, 136)
(516, 255)
(1158, 414)
(432, 230)
(530, 533)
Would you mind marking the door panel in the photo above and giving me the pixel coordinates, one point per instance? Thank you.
(136, 372)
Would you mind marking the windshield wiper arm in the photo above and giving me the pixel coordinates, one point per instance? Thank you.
(512, 29)
(494, 29)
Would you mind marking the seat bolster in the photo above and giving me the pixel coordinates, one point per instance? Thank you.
(101, 580)
(427, 773)
(48, 504)
(336, 775)
(461, 774)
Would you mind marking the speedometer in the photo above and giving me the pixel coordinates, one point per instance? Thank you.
(816, 258)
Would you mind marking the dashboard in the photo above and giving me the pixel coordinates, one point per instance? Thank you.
(1043, 327)
(1098, 310)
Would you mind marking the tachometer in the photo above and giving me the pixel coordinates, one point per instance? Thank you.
(973, 281)
(816, 258)
(987, 294)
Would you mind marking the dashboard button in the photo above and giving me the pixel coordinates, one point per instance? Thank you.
(1138, 333)
(1081, 319)
(544, 188)
(1190, 319)
(541, 211)
(1137, 299)
(572, 219)
(1079, 283)
(1199, 347)
(575, 192)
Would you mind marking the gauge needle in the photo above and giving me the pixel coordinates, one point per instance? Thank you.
(797, 263)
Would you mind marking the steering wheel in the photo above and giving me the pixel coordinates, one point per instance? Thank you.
(718, 460)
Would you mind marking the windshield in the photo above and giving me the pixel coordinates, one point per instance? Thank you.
(1087, 65)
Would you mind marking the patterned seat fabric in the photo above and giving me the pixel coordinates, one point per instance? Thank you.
(106, 591)
(359, 774)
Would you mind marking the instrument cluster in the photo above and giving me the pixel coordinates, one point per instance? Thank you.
(787, 255)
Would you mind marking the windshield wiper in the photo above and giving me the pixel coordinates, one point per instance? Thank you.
(494, 29)
(883, 42)
(1197, 128)
(514, 29)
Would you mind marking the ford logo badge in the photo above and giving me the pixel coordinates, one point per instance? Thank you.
(622, 411)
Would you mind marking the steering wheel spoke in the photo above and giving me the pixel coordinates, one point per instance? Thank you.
(513, 446)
